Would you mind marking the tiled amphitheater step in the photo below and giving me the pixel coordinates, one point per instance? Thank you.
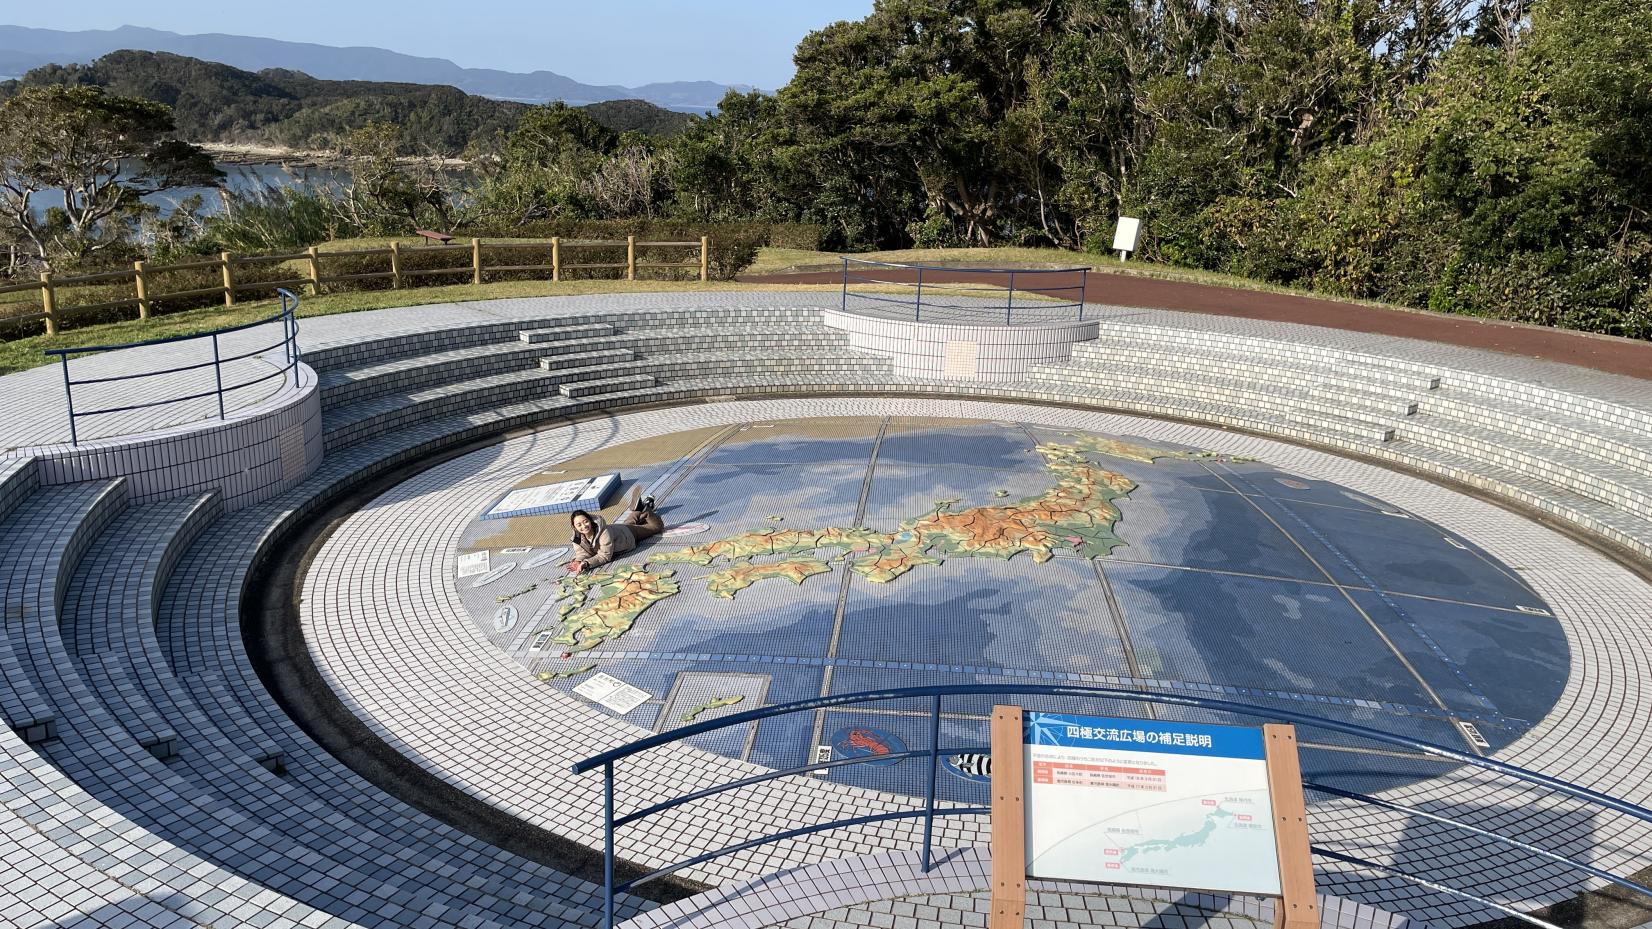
(1603, 518)
(663, 340)
(41, 542)
(1294, 368)
(1613, 444)
(18, 479)
(200, 628)
(66, 839)
(127, 780)
(1285, 351)
(110, 601)
(296, 834)
(717, 363)
(121, 777)
(563, 333)
(374, 350)
(410, 372)
(578, 389)
(1318, 398)
(1620, 486)
(354, 421)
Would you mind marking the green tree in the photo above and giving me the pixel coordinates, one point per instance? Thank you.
(100, 154)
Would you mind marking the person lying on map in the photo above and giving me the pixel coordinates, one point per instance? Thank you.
(598, 542)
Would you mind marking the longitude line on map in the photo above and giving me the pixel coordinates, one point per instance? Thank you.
(1115, 609)
(1394, 649)
(1371, 582)
(843, 585)
(686, 465)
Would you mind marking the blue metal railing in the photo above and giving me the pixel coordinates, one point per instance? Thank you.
(1043, 281)
(935, 695)
(287, 318)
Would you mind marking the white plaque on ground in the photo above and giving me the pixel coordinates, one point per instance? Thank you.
(473, 563)
(611, 692)
(561, 497)
(1149, 802)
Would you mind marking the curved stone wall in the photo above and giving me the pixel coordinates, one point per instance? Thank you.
(961, 350)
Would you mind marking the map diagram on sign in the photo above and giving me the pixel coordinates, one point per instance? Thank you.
(1146, 802)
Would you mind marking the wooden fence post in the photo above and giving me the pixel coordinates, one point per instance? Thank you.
(48, 302)
(396, 265)
(476, 261)
(556, 258)
(705, 258)
(315, 271)
(142, 286)
(630, 257)
(225, 259)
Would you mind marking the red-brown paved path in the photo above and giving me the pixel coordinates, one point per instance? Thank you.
(1617, 356)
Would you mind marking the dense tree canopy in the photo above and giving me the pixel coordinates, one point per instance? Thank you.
(1491, 157)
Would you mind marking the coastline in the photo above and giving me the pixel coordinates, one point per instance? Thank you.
(250, 153)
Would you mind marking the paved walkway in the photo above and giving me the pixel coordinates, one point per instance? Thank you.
(34, 409)
(1603, 353)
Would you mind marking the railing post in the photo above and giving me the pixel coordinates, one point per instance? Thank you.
(226, 261)
(705, 258)
(315, 271)
(1083, 291)
(218, 372)
(69, 398)
(608, 845)
(476, 261)
(845, 285)
(630, 257)
(141, 285)
(918, 302)
(396, 265)
(1009, 302)
(556, 258)
(929, 789)
(48, 302)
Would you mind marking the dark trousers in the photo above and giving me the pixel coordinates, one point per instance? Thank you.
(642, 528)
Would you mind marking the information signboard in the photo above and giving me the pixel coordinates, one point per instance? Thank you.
(1149, 802)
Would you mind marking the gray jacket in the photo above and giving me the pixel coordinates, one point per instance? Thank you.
(609, 541)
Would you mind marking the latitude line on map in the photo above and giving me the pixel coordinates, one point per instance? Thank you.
(1309, 583)
(1394, 649)
(843, 586)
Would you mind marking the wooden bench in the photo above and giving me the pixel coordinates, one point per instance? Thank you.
(434, 236)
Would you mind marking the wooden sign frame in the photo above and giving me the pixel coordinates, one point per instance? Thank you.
(1298, 904)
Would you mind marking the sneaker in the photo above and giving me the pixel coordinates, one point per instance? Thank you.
(647, 505)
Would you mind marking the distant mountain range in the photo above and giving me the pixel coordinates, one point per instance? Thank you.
(22, 49)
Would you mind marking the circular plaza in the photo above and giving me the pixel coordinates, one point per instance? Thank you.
(375, 651)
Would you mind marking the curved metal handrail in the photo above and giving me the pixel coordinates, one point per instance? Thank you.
(288, 318)
(982, 310)
(607, 760)
(918, 267)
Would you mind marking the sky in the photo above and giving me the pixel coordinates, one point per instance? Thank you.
(625, 42)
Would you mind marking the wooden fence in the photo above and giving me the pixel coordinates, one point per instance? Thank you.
(309, 266)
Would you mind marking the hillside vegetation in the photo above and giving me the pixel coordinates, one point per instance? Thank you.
(217, 103)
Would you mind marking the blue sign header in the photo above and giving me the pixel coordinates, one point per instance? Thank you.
(1142, 735)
